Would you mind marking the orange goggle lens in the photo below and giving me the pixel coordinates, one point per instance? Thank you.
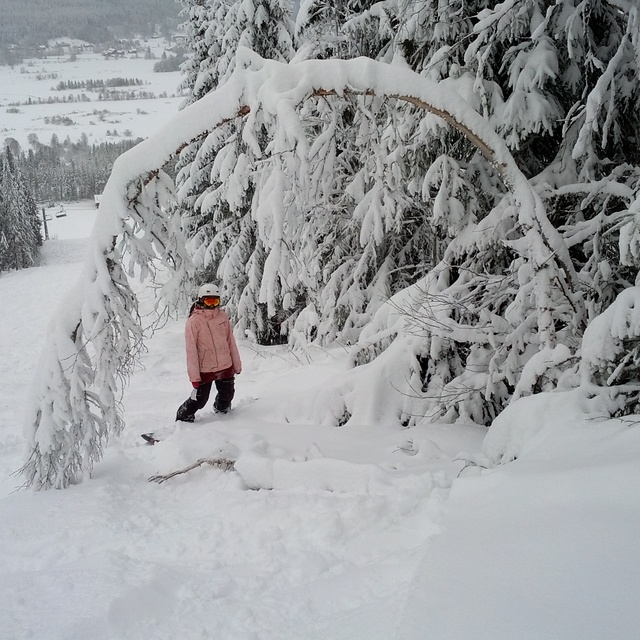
(211, 301)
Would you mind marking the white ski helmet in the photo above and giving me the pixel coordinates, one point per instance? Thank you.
(208, 290)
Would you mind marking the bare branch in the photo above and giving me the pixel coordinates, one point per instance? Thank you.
(220, 463)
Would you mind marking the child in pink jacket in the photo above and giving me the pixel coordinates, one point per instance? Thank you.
(212, 355)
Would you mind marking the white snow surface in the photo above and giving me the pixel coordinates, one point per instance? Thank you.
(365, 532)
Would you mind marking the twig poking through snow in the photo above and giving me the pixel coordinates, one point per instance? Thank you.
(221, 463)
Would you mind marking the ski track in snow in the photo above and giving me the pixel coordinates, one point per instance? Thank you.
(330, 549)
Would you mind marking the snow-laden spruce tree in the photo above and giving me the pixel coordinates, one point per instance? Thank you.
(557, 81)
(201, 18)
(594, 199)
(361, 188)
(577, 68)
(217, 179)
(20, 237)
(338, 29)
(263, 26)
(469, 326)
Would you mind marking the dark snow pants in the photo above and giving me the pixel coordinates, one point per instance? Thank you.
(222, 403)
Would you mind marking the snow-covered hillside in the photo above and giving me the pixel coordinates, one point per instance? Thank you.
(360, 532)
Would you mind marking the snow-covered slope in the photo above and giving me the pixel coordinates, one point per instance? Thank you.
(360, 532)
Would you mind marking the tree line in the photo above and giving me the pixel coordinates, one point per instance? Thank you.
(104, 95)
(68, 171)
(97, 85)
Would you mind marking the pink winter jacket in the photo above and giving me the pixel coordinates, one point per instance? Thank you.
(210, 343)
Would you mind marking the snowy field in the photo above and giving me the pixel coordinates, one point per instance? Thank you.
(36, 79)
(361, 532)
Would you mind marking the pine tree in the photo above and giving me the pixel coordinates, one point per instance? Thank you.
(217, 176)
(552, 80)
(262, 26)
(203, 27)
(342, 29)
(20, 236)
(355, 185)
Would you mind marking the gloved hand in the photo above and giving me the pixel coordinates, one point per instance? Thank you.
(195, 384)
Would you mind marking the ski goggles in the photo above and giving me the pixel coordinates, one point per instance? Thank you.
(211, 301)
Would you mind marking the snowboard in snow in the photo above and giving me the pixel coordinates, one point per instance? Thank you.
(154, 437)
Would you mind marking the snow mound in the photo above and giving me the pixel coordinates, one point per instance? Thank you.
(326, 474)
(524, 423)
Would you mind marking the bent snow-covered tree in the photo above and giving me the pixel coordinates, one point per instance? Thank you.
(95, 335)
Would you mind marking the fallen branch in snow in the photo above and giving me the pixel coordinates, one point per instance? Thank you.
(221, 463)
(467, 464)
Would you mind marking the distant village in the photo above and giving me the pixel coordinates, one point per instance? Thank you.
(116, 49)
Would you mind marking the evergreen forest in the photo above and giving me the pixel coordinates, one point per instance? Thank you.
(68, 171)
